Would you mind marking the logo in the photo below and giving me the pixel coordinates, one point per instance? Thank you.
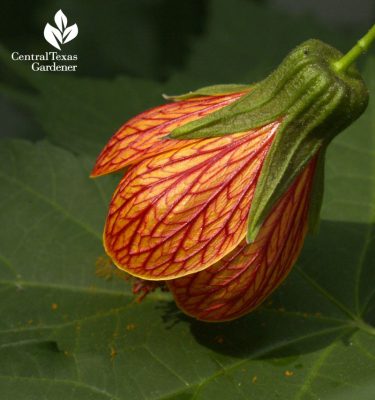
(63, 33)
(53, 61)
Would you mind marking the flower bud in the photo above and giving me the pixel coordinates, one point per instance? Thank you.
(222, 185)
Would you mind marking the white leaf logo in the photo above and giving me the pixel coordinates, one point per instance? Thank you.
(63, 33)
(61, 20)
(70, 33)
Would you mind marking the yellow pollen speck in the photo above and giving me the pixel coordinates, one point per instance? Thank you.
(255, 378)
(288, 373)
(30, 321)
(220, 339)
(54, 306)
(130, 327)
(104, 267)
(113, 353)
(318, 314)
(305, 314)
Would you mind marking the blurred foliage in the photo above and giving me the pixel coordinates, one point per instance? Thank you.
(154, 38)
(146, 38)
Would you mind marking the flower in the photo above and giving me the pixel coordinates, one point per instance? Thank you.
(181, 209)
(242, 279)
(222, 185)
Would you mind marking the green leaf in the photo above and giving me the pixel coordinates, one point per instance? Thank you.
(65, 333)
(79, 114)
(82, 114)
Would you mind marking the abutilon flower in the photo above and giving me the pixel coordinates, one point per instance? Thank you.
(221, 185)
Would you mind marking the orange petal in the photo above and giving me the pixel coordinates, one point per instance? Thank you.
(140, 137)
(181, 211)
(244, 278)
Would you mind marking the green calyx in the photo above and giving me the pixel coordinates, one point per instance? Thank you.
(330, 101)
(214, 90)
(313, 99)
(304, 74)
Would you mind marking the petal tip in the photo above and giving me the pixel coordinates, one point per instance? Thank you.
(96, 172)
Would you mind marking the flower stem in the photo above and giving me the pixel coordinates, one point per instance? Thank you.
(362, 45)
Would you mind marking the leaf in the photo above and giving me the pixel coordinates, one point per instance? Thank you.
(81, 114)
(65, 333)
(61, 20)
(70, 33)
(53, 36)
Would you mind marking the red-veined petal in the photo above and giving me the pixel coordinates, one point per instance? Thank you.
(181, 211)
(244, 278)
(141, 136)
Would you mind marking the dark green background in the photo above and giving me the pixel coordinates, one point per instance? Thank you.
(159, 39)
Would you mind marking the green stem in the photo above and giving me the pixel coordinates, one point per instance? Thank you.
(364, 326)
(362, 45)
